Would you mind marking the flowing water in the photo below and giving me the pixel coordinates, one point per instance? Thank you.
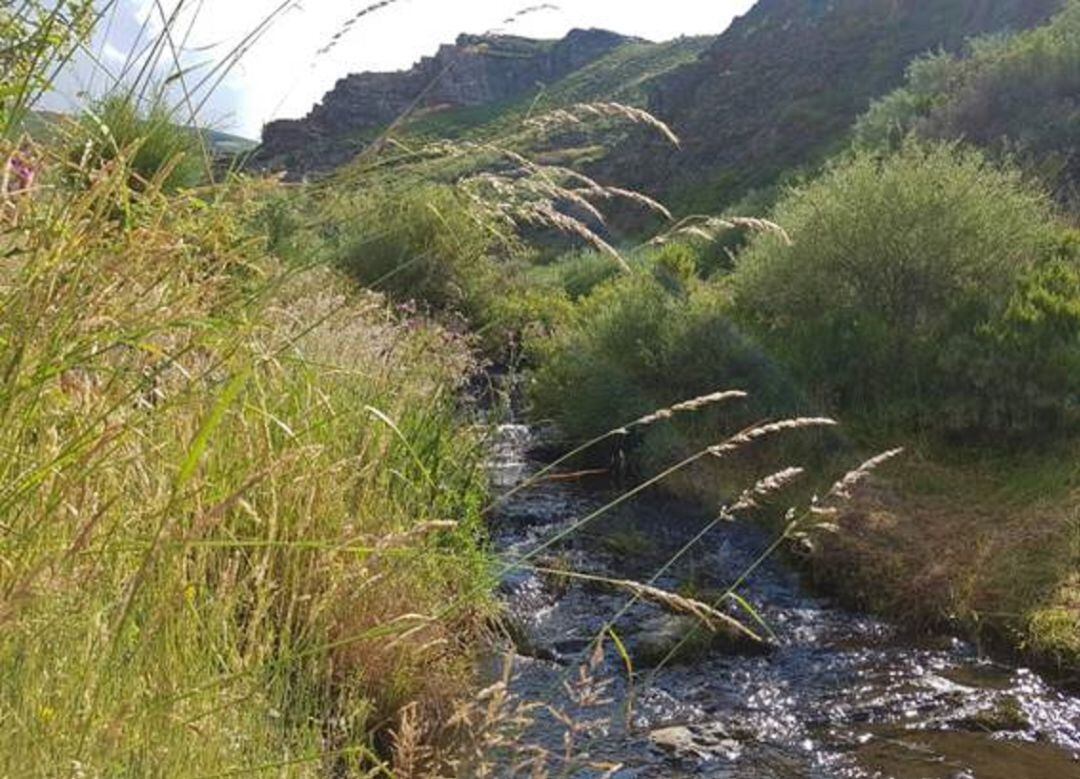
(840, 695)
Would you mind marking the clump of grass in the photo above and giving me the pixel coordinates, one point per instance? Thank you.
(153, 147)
(980, 542)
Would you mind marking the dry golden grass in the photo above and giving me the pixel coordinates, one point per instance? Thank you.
(985, 548)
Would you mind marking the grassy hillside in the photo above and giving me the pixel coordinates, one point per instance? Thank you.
(1014, 96)
(625, 75)
(779, 90)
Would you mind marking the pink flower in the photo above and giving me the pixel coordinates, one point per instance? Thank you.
(21, 173)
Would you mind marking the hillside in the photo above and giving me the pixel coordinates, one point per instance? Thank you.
(476, 72)
(625, 75)
(1014, 97)
(782, 86)
(776, 92)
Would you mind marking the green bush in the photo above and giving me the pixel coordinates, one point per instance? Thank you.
(929, 290)
(640, 343)
(894, 116)
(426, 244)
(578, 273)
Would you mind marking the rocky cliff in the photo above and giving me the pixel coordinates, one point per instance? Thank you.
(783, 85)
(475, 70)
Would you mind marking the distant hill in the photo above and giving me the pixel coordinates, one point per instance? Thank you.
(478, 85)
(777, 92)
(228, 144)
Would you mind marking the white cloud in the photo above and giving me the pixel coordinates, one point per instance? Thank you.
(112, 55)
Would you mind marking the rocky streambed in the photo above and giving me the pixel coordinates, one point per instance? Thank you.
(835, 694)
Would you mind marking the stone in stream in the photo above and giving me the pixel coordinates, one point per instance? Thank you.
(681, 639)
(1005, 715)
(701, 742)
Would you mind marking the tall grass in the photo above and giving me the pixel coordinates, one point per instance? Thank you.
(234, 496)
(38, 39)
(155, 148)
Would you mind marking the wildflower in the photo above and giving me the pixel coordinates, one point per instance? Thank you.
(21, 173)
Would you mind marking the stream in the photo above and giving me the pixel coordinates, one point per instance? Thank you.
(840, 694)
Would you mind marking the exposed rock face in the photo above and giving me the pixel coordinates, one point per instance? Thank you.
(787, 80)
(476, 70)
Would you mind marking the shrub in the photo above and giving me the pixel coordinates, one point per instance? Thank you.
(891, 118)
(640, 343)
(426, 244)
(906, 282)
(580, 272)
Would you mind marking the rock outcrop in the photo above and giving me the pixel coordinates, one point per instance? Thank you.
(476, 70)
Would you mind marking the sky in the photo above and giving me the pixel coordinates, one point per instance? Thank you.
(285, 72)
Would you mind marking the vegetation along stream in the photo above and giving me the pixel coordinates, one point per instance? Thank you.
(261, 513)
(838, 694)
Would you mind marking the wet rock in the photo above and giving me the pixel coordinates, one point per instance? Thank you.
(1006, 715)
(702, 742)
(681, 639)
(573, 647)
(521, 639)
(628, 543)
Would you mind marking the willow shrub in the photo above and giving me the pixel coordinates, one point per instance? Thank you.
(927, 290)
(425, 243)
(643, 341)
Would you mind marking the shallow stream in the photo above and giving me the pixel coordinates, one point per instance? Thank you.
(840, 694)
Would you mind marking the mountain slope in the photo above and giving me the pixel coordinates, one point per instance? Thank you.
(1014, 96)
(477, 73)
(783, 85)
(625, 75)
(775, 93)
